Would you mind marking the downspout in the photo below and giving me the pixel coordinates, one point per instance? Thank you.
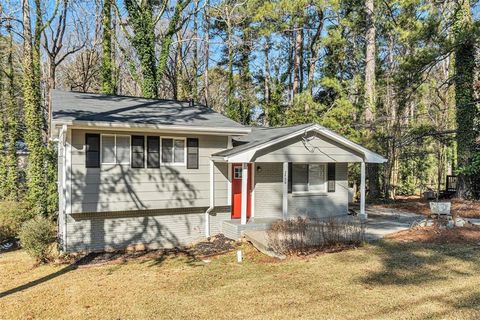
(63, 139)
(212, 199)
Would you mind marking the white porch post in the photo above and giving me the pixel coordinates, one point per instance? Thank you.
(363, 215)
(243, 217)
(285, 191)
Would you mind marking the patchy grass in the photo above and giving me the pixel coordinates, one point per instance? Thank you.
(384, 280)
(460, 208)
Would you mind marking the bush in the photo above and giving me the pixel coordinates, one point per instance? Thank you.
(37, 236)
(300, 235)
(12, 216)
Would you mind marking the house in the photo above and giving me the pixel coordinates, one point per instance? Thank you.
(159, 173)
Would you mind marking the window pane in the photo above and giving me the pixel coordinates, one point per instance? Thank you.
(299, 177)
(153, 152)
(92, 155)
(138, 143)
(316, 177)
(179, 151)
(167, 149)
(123, 149)
(108, 149)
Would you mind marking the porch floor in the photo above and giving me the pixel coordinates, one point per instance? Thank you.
(233, 229)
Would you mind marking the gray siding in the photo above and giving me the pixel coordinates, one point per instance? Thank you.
(268, 190)
(269, 194)
(116, 230)
(121, 188)
(317, 149)
(325, 205)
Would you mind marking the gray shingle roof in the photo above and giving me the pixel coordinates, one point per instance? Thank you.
(257, 136)
(75, 106)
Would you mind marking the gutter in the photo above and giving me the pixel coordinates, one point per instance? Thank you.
(129, 126)
(212, 199)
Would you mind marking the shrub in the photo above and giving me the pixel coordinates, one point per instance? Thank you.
(37, 236)
(300, 235)
(12, 216)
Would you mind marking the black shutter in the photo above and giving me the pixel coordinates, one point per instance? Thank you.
(167, 150)
(138, 152)
(153, 152)
(192, 153)
(290, 178)
(92, 150)
(331, 177)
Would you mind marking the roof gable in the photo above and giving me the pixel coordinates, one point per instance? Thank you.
(258, 140)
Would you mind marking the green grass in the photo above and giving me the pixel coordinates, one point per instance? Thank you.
(382, 281)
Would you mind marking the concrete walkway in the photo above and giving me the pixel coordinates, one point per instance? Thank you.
(384, 221)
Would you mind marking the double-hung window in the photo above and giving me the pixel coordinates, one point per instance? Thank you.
(115, 149)
(311, 177)
(173, 150)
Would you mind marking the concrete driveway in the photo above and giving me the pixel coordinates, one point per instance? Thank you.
(384, 221)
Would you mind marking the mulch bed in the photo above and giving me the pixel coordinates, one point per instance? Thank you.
(468, 234)
(216, 245)
(9, 245)
(460, 208)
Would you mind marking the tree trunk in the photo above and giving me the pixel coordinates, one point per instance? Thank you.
(107, 86)
(207, 51)
(266, 83)
(466, 108)
(297, 60)
(314, 50)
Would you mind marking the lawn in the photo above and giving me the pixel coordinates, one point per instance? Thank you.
(385, 280)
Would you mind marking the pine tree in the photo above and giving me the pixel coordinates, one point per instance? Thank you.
(108, 87)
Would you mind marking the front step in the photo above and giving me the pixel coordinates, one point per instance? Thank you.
(234, 230)
(259, 240)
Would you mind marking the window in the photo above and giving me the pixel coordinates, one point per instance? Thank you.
(138, 152)
(115, 149)
(173, 151)
(331, 177)
(309, 177)
(192, 153)
(92, 154)
(108, 149)
(237, 172)
(153, 152)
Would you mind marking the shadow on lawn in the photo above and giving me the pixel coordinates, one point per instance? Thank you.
(39, 281)
(407, 264)
(155, 257)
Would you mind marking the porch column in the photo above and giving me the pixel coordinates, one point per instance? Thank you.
(362, 215)
(243, 216)
(285, 191)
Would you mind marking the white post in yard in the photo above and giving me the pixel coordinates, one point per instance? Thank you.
(363, 215)
(285, 191)
(243, 217)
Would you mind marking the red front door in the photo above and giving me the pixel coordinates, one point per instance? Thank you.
(237, 190)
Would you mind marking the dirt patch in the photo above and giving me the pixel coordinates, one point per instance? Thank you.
(216, 245)
(468, 234)
(460, 208)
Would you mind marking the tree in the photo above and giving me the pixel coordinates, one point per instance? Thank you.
(108, 86)
(466, 107)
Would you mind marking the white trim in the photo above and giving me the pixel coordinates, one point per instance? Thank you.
(285, 191)
(229, 174)
(252, 196)
(128, 126)
(247, 155)
(173, 164)
(363, 215)
(243, 212)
